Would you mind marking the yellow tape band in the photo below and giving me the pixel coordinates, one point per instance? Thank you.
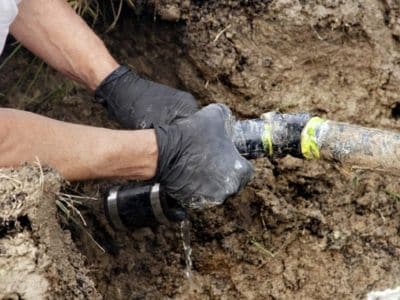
(309, 145)
(267, 139)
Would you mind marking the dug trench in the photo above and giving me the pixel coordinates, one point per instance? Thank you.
(299, 230)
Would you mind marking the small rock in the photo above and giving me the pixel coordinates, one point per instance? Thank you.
(170, 13)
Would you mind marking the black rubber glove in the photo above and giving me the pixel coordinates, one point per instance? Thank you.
(198, 163)
(138, 103)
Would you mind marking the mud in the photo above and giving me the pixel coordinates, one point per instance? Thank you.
(300, 230)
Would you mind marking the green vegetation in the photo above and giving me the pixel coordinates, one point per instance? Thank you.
(393, 195)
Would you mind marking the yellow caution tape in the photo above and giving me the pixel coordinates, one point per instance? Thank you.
(267, 139)
(309, 145)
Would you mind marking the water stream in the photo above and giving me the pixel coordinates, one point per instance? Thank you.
(185, 234)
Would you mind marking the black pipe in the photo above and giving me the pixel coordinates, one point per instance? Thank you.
(142, 205)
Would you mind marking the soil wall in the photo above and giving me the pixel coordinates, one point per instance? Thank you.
(38, 260)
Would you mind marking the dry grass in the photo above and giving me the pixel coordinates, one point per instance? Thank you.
(96, 8)
(86, 7)
(67, 204)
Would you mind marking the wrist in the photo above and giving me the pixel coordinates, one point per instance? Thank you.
(134, 155)
(145, 157)
(105, 90)
(170, 144)
(98, 72)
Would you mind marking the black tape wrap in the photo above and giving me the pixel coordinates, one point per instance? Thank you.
(286, 132)
(282, 132)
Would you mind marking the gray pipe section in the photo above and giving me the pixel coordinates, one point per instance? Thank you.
(300, 135)
(359, 147)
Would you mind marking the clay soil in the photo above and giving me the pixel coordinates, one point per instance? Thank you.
(300, 230)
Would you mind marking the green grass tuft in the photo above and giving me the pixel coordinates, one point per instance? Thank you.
(393, 195)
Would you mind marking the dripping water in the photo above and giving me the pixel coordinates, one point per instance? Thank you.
(185, 234)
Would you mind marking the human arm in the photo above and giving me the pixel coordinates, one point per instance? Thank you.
(76, 151)
(194, 160)
(53, 31)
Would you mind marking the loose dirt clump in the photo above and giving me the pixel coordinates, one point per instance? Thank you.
(300, 230)
(38, 260)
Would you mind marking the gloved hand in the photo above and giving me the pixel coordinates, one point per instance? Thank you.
(138, 103)
(198, 163)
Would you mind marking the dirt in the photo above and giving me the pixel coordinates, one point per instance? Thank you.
(300, 230)
(38, 259)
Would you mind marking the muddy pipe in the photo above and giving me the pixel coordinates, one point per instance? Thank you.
(273, 135)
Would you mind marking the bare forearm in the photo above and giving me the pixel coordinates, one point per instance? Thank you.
(54, 32)
(77, 151)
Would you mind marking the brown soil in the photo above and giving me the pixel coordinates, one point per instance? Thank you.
(332, 232)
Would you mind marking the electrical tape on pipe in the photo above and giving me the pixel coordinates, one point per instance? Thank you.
(309, 145)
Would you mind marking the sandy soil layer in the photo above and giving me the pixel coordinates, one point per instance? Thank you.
(301, 229)
(38, 260)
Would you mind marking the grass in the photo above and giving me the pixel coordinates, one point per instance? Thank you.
(86, 7)
(67, 205)
(96, 8)
(11, 55)
(393, 195)
(259, 246)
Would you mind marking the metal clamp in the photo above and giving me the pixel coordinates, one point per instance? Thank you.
(112, 206)
(156, 205)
